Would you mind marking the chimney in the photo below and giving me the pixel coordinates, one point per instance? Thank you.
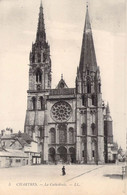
(3, 132)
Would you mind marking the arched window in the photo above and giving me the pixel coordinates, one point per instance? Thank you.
(93, 150)
(41, 132)
(83, 100)
(34, 103)
(33, 58)
(84, 129)
(88, 72)
(83, 153)
(44, 57)
(93, 127)
(61, 85)
(39, 87)
(71, 135)
(38, 76)
(88, 85)
(93, 100)
(52, 136)
(39, 57)
(62, 133)
(99, 88)
(42, 103)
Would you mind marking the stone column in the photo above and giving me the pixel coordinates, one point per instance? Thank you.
(100, 125)
(78, 138)
(35, 134)
(89, 148)
(78, 150)
(57, 135)
(46, 139)
(67, 135)
(100, 150)
(45, 149)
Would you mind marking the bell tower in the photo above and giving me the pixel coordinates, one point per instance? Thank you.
(90, 127)
(39, 87)
(40, 62)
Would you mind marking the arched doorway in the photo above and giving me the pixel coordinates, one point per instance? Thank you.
(72, 154)
(52, 155)
(62, 153)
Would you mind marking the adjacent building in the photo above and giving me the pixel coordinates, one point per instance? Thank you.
(12, 158)
(17, 149)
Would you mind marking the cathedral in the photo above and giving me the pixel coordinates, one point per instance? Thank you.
(70, 125)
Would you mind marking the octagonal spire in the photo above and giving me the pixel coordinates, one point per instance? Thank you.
(88, 57)
(41, 35)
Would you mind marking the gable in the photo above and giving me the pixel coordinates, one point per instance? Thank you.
(16, 145)
(61, 84)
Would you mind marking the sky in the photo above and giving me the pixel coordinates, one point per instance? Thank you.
(64, 23)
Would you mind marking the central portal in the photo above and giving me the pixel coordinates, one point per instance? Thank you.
(62, 154)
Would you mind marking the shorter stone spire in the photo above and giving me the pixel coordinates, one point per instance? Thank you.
(88, 57)
(108, 116)
(107, 109)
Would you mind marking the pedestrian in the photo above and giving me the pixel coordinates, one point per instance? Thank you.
(63, 171)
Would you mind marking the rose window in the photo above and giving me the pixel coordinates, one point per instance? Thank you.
(61, 111)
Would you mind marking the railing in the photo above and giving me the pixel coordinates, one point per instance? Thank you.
(67, 91)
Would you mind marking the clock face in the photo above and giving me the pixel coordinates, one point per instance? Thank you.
(61, 111)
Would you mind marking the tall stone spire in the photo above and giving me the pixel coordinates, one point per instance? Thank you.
(40, 58)
(41, 35)
(88, 57)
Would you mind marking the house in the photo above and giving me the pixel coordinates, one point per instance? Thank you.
(23, 143)
(112, 152)
(12, 158)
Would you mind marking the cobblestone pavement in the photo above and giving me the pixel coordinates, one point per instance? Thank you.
(48, 179)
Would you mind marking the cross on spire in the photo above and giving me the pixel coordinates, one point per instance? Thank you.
(87, 4)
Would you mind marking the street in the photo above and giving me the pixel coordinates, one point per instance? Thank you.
(48, 179)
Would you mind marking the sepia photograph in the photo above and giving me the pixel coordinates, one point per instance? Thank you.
(63, 102)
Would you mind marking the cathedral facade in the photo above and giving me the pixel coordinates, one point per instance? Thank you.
(67, 123)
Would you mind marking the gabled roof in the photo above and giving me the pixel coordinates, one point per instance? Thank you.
(13, 153)
(25, 137)
(61, 84)
(8, 136)
(21, 141)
